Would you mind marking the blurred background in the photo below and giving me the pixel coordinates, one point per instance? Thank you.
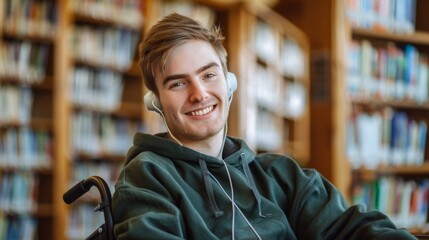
(339, 85)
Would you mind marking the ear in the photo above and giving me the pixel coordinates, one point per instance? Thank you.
(151, 102)
(231, 83)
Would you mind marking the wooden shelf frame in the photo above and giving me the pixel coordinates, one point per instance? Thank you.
(238, 19)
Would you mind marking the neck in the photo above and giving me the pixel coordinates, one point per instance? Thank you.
(211, 146)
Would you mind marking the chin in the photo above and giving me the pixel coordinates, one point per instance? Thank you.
(205, 133)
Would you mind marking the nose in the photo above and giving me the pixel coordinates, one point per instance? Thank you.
(198, 92)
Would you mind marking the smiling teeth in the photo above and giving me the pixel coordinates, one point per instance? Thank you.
(202, 112)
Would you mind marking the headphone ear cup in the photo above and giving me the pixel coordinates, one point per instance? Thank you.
(151, 102)
(231, 82)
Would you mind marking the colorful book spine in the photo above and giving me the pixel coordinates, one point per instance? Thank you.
(404, 201)
(387, 72)
(385, 137)
(382, 15)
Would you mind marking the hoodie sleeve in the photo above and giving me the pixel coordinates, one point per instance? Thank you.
(139, 212)
(325, 215)
(317, 210)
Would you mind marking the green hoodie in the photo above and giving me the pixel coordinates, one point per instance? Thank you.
(167, 191)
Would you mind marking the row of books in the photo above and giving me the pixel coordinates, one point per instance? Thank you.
(269, 138)
(29, 17)
(293, 59)
(385, 137)
(19, 192)
(205, 15)
(266, 42)
(384, 15)
(83, 221)
(295, 100)
(15, 104)
(108, 170)
(96, 88)
(387, 72)
(17, 227)
(106, 46)
(124, 12)
(405, 202)
(24, 61)
(266, 87)
(100, 134)
(24, 148)
(285, 98)
(270, 47)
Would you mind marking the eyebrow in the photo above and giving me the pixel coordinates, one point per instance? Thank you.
(199, 70)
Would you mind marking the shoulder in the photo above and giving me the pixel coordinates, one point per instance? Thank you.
(146, 159)
(285, 171)
(282, 163)
(140, 169)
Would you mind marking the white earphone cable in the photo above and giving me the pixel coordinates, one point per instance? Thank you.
(165, 122)
(231, 198)
(235, 206)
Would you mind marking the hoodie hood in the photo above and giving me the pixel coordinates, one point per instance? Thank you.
(236, 153)
(162, 145)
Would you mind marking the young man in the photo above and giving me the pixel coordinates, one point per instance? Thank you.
(193, 182)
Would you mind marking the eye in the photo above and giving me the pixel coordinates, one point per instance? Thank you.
(174, 85)
(209, 76)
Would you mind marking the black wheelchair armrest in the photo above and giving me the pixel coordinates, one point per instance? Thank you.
(105, 230)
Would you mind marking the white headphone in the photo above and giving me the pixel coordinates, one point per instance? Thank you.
(152, 103)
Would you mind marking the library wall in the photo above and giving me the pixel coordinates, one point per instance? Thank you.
(71, 98)
(388, 82)
(27, 136)
(374, 147)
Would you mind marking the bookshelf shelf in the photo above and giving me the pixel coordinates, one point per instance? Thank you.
(40, 171)
(29, 36)
(404, 104)
(108, 157)
(99, 65)
(46, 83)
(43, 210)
(41, 123)
(81, 17)
(126, 109)
(418, 37)
(369, 175)
(35, 123)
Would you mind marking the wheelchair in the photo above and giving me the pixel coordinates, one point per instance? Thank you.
(105, 231)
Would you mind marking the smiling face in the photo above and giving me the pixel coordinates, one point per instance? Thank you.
(193, 93)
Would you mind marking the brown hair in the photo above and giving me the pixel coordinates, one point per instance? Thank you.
(169, 33)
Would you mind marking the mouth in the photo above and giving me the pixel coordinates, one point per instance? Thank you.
(202, 112)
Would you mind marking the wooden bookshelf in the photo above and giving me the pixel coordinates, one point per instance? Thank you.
(418, 37)
(332, 100)
(54, 109)
(370, 175)
(403, 104)
(256, 97)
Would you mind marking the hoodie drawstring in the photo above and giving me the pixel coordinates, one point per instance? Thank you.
(209, 188)
(251, 182)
